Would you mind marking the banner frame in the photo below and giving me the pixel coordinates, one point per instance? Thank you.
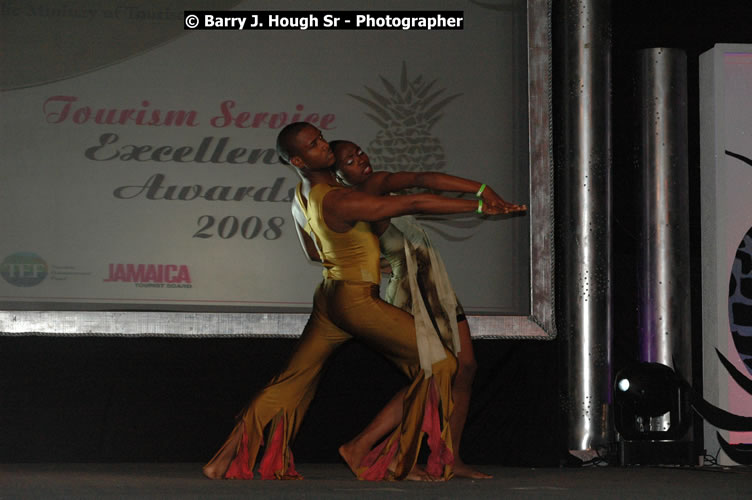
(539, 324)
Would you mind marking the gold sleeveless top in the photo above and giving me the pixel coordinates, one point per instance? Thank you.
(349, 256)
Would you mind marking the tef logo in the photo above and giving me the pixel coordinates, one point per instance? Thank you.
(23, 269)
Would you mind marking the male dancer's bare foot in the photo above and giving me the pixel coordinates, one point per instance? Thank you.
(353, 455)
(212, 472)
(463, 470)
(218, 465)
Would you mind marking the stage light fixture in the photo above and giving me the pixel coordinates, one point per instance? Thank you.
(650, 403)
(649, 393)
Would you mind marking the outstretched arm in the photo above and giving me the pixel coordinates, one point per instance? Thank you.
(343, 208)
(386, 182)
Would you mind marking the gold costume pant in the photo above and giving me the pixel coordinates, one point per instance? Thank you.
(343, 310)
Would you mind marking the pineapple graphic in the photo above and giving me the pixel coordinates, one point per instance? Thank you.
(406, 113)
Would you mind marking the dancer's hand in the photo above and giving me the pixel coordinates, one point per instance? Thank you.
(493, 204)
(498, 204)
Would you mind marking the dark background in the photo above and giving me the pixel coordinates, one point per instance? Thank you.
(159, 399)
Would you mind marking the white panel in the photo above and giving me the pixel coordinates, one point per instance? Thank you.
(726, 134)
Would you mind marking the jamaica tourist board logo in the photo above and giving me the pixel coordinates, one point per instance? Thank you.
(151, 275)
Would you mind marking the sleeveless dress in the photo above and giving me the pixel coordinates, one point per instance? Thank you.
(420, 285)
(346, 305)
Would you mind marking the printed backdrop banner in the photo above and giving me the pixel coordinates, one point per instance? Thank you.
(138, 162)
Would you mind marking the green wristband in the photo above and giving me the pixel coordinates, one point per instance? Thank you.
(480, 206)
(480, 191)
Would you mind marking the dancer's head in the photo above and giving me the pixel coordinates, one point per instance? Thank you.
(351, 163)
(302, 145)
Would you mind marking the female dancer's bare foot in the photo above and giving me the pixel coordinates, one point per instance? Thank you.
(419, 474)
(463, 470)
(353, 455)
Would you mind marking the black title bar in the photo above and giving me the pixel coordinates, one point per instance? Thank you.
(323, 20)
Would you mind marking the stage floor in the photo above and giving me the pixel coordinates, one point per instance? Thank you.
(184, 480)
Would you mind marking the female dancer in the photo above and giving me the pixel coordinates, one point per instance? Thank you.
(419, 283)
(346, 305)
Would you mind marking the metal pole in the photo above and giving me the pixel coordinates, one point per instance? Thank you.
(663, 265)
(583, 49)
